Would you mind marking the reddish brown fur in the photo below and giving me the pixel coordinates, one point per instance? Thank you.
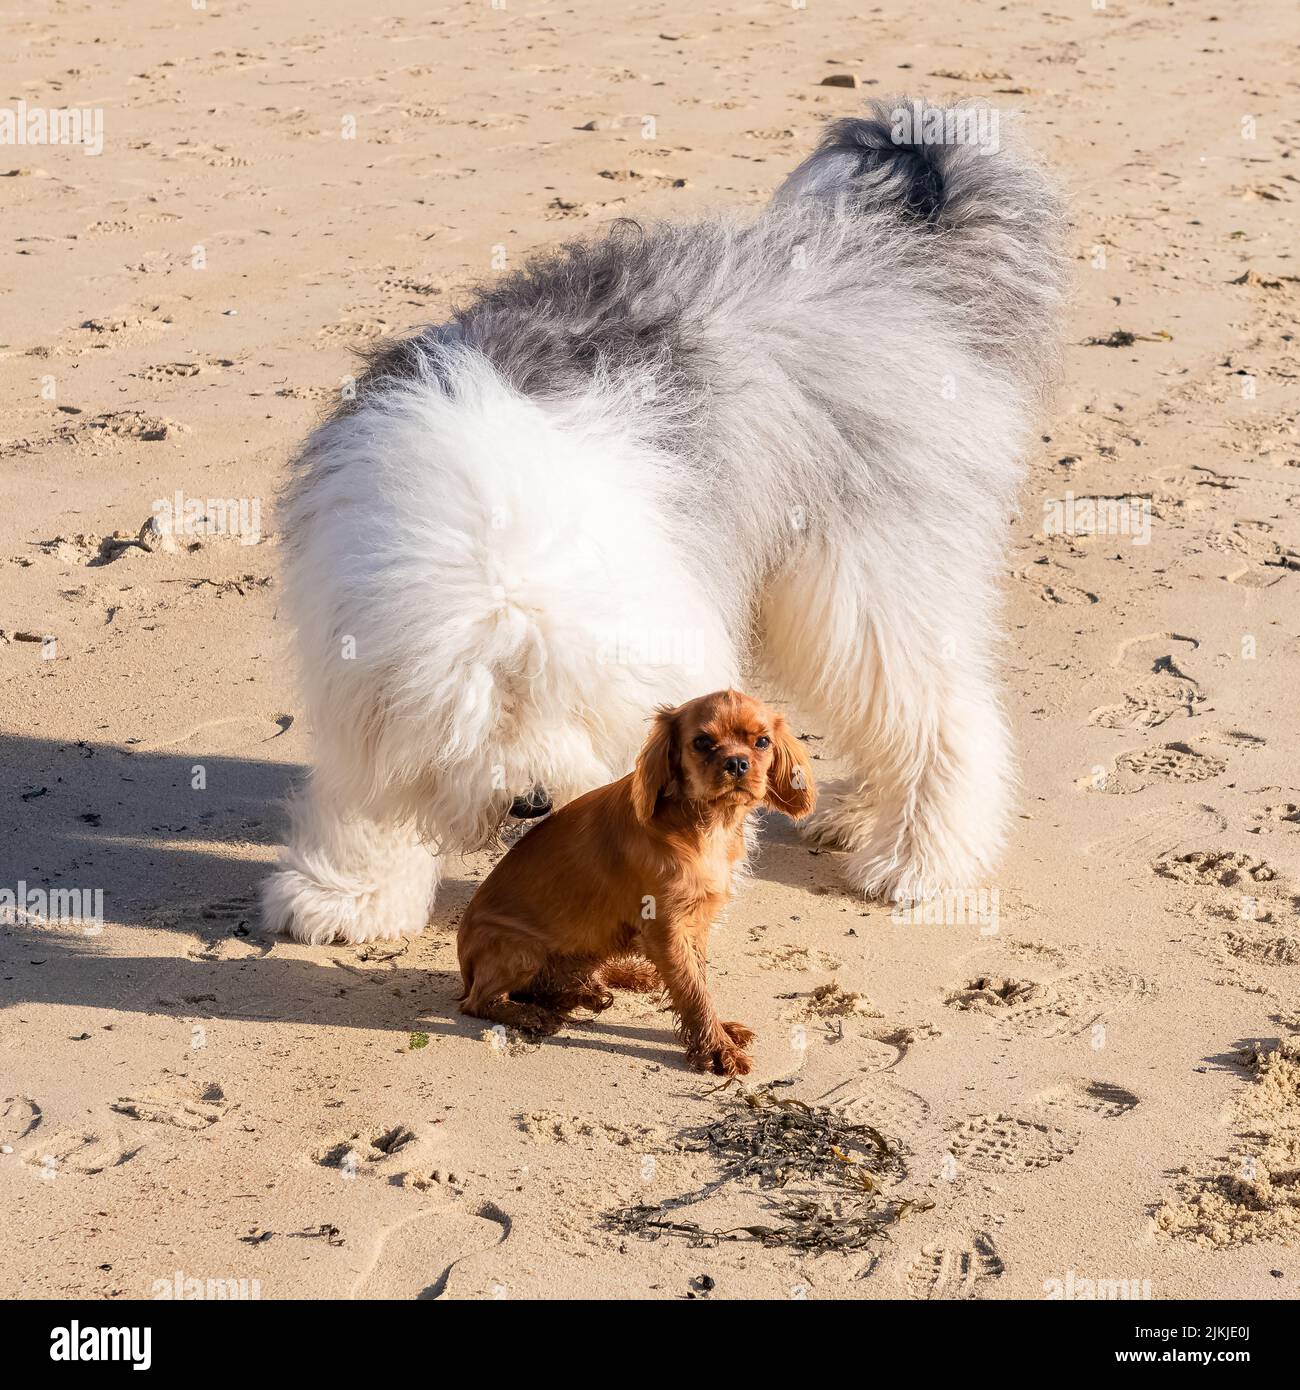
(619, 888)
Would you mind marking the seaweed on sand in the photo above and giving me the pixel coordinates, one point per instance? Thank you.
(772, 1142)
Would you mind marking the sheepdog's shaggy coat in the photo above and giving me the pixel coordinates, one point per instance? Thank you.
(651, 462)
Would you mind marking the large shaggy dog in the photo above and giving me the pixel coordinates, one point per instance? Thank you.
(647, 462)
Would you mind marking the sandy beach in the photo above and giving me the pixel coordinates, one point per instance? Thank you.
(1093, 1077)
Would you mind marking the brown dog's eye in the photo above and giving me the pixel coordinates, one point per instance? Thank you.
(703, 744)
(762, 741)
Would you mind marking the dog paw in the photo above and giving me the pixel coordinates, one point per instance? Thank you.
(739, 1034)
(318, 916)
(844, 824)
(726, 1059)
(908, 881)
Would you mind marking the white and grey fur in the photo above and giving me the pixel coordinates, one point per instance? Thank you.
(651, 464)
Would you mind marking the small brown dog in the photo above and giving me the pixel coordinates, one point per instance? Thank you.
(619, 888)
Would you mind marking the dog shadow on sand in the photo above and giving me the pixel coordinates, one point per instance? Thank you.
(180, 857)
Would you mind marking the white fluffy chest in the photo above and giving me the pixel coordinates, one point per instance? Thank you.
(718, 862)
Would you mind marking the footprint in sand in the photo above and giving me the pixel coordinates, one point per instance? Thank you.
(199, 1110)
(228, 927)
(237, 921)
(997, 994)
(1167, 762)
(133, 425)
(110, 227)
(1005, 1143)
(1144, 652)
(957, 1270)
(177, 371)
(557, 1127)
(1246, 932)
(125, 328)
(1032, 949)
(1281, 815)
(1243, 900)
(1062, 1007)
(169, 371)
(308, 393)
(78, 1151)
(868, 1049)
(1148, 705)
(829, 1002)
(415, 1258)
(351, 331)
(1170, 762)
(1068, 595)
(795, 958)
(217, 736)
(1102, 1100)
(1050, 579)
(370, 1150)
(404, 286)
(1144, 838)
(1215, 869)
(1267, 561)
(239, 911)
(1259, 943)
(896, 1112)
(19, 1116)
(1166, 692)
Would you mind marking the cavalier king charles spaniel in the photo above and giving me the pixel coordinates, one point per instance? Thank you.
(619, 888)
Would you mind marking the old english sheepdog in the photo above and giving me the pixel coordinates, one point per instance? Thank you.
(652, 463)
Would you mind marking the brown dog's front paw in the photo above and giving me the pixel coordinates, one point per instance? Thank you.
(739, 1034)
(724, 1059)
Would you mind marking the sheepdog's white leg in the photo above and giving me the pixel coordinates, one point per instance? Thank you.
(348, 879)
(941, 809)
(899, 678)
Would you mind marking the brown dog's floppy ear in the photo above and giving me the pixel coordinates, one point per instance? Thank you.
(653, 772)
(790, 786)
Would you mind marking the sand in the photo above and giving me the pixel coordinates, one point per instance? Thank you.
(1088, 1078)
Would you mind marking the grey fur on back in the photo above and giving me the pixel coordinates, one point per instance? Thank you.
(990, 217)
(805, 354)
(980, 232)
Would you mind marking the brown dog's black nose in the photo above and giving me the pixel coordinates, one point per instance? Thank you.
(736, 767)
